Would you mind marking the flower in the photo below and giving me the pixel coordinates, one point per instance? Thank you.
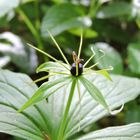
(74, 74)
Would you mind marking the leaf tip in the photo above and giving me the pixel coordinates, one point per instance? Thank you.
(114, 112)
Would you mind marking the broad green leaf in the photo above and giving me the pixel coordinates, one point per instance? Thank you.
(88, 33)
(126, 132)
(111, 56)
(112, 32)
(45, 90)
(114, 9)
(134, 57)
(116, 93)
(94, 92)
(16, 90)
(60, 18)
(52, 66)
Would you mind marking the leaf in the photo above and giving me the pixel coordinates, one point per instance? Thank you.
(44, 91)
(132, 112)
(45, 118)
(7, 7)
(15, 90)
(111, 56)
(15, 49)
(88, 33)
(126, 132)
(4, 61)
(26, 1)
(116, 93)
(133, 57)
(60, 18)
(112, 32)
(94, 92)
(114, 9)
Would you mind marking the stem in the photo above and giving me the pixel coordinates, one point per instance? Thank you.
(31, 27)
(64, 119)
(36, 7)
(94, 6)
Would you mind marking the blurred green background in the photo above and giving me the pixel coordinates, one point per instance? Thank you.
(110, 25)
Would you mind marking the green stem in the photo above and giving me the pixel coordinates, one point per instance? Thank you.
(31, 27)
(64, 119)
(36, 7)
(94, 6)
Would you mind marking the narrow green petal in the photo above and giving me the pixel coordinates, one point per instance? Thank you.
(104, 73)
(94, 92)
(45, 90)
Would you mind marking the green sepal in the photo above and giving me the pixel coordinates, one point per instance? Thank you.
(94, 92)
(45, 90)
(104, 73)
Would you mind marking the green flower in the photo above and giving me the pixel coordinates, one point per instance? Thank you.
(76, 74)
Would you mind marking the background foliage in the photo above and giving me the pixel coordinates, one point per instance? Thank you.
(110, 25)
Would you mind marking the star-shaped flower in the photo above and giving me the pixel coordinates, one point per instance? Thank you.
(74, 74)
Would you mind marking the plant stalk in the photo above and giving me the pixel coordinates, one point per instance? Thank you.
(64, 119)
(31, 27)
(36, 7)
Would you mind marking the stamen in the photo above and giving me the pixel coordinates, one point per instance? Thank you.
(90, 57)
(80, 46)
(74, 56)
(58, 47)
